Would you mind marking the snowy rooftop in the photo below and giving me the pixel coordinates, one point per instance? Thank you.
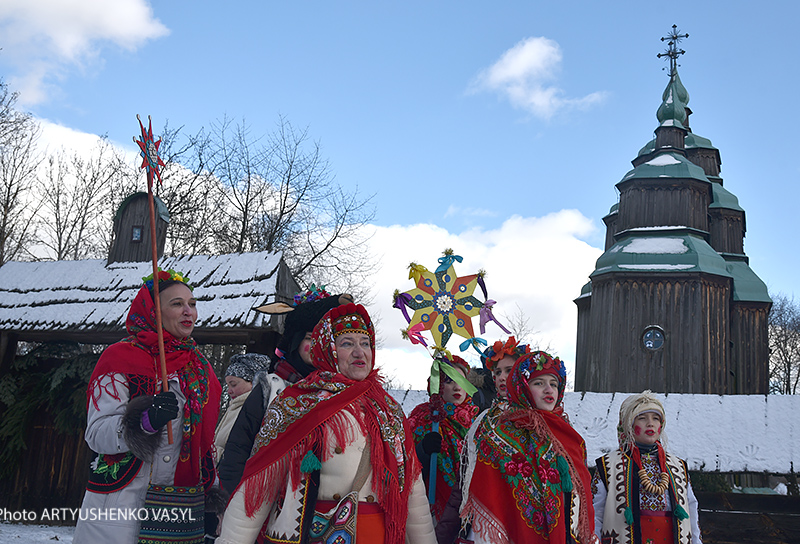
(726, 433)
(88, 295)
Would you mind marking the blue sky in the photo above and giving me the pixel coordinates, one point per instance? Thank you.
(498, 129)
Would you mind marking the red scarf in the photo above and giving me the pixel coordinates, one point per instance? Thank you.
(136, 356)
(454, 422)
(531, 459)
(306, 415)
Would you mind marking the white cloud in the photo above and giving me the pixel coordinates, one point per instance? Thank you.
(458, 211)
(524, 73)
(54, 137)
(46, 38)
(537, 263)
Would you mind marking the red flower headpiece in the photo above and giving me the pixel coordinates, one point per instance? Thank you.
(498, 350)
(168, 275)
(458, 363)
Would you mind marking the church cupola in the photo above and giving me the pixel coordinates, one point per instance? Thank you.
(672, 304)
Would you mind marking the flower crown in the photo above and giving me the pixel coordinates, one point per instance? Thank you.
(540, 361)
(168, 275)
(498, 350)
(313, 293)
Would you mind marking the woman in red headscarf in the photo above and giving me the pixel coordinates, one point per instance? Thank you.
(315, 437)
(452, 409)
(127, 413)
(526, 477)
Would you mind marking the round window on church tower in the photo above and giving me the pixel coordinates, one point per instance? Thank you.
(653, 338)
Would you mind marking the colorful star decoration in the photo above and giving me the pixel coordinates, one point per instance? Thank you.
(149, 152)
(443, 303)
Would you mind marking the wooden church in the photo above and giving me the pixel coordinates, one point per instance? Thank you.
(673, 305)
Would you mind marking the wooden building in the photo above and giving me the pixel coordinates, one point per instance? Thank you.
(80, 303)
(673, 304)
(131, 241)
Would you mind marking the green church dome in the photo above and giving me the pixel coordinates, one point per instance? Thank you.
(661, 250)
(667, 165)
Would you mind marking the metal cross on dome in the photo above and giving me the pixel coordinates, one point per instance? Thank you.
(672, 50)
(149, 152)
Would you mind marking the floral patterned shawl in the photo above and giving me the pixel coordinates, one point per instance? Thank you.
(528, 462)
(454, 422)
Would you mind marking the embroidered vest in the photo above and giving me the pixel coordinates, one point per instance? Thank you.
(111, 473)
(622, 484)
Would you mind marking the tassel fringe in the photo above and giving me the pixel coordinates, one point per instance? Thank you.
(628, 515)
(563, 470)
(310, 463)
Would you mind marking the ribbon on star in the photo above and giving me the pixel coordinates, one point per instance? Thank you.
(447, 261)
(414, 334)
(482, 283)
(475, 343)
(438, 367)
(415, 271)
(401, 301)
(486, 315)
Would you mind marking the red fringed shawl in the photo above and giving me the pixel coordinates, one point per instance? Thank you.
(136, 356)
(526, 460)
(454, 422)
(306, 415)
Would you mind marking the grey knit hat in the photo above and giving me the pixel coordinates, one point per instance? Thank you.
(245, 366)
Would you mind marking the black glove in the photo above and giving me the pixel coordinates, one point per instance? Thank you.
(432, 443)
(163, 410)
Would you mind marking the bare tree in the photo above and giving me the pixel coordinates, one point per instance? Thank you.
(520, 326)
(784, 345)
(319, 226)
(232, 192)
(73, 191)
(190, 192)
(18, 163)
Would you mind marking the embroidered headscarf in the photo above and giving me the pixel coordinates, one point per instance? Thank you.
(136, 357)
(454, 421)
(304, 418)
(528, 461)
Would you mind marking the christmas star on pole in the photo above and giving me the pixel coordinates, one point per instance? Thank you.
(149, 152)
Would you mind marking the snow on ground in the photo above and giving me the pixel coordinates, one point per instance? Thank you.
(14, 533)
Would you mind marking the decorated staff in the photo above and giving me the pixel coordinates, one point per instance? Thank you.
(444, 304)
(151, 163)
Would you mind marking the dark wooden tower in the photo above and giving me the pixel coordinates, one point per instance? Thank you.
(131, 241)
(672, 304)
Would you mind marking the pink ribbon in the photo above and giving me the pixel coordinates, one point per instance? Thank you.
(414, 334)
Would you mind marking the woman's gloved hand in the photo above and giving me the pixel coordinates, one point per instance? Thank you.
(163, 410)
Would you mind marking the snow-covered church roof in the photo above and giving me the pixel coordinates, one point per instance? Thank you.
(90, 296)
